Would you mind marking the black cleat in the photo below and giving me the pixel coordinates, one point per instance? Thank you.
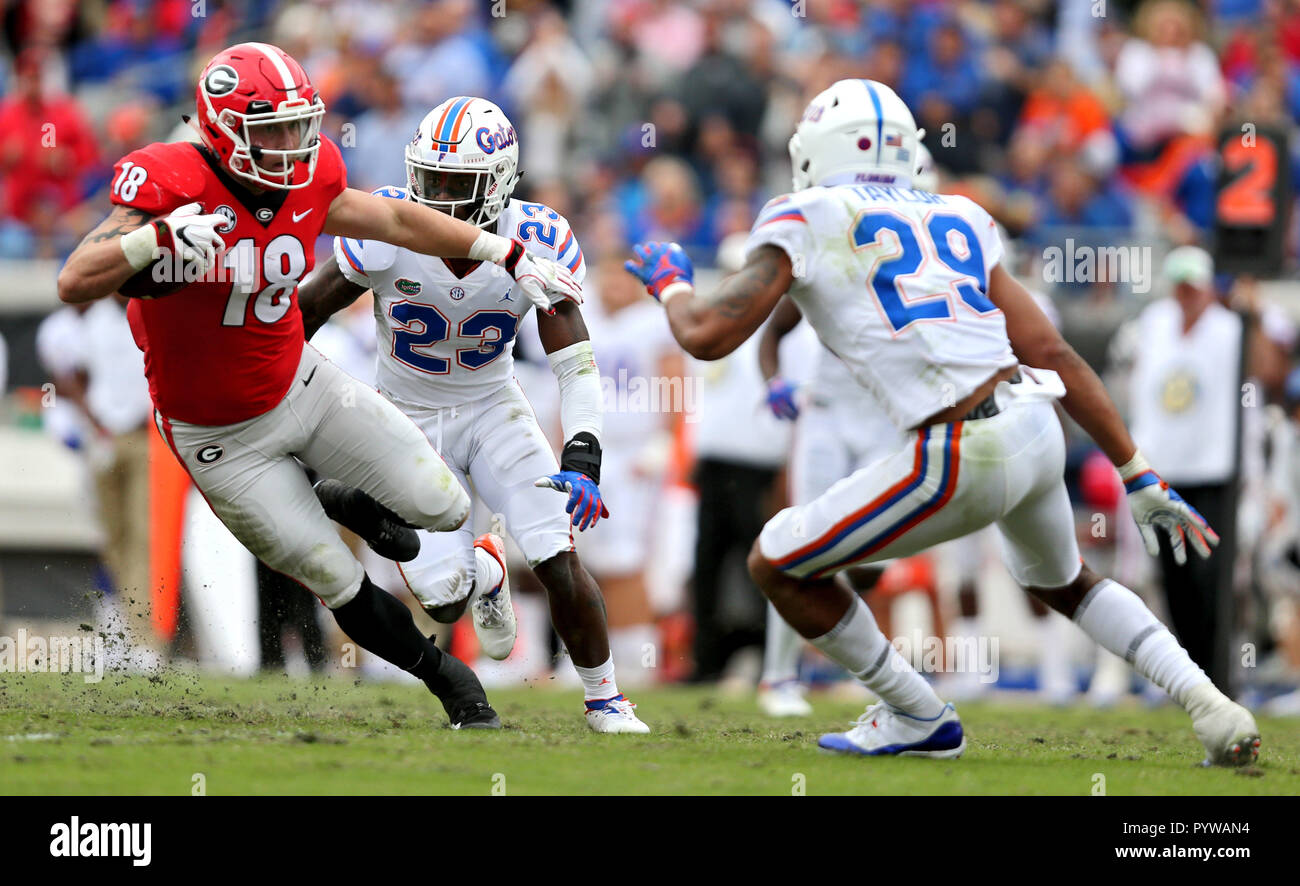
(475, 715)
(387, 534)
(462, 696)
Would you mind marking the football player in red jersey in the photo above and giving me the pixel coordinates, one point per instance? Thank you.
(237, 393)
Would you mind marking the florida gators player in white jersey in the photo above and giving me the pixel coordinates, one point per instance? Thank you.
(907, 288)
(445, 335)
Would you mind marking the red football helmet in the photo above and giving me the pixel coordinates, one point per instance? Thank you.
(260, 114)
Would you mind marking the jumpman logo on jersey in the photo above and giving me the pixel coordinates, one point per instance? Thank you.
(507, 297)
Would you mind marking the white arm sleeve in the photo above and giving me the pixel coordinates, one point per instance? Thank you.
(581, 403)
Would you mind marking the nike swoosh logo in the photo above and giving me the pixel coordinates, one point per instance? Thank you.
(306, 381)
(297, 217)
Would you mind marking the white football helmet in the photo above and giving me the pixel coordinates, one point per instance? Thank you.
(464, 154)
(926, 177)
(855, 132)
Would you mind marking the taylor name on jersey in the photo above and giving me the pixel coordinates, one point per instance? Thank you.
(444, 339)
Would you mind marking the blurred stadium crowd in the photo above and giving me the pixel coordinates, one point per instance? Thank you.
(1086, 120)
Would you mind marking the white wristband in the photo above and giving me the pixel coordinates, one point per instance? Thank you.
(1134, 466)
(673, 289)
(139, 246)
(490, 247)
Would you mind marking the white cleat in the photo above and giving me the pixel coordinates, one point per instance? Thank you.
(783, 699)
(1225, 728)
(615, 714)
(883, 731)
(494, 616)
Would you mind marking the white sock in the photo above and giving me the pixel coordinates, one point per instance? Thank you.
(598, 682)
(857, 644)
(781, 649)
(488, 573)
(1117, 618)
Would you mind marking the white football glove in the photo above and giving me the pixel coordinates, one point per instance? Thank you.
(1156, 505)
(542, 280)
(185, 232)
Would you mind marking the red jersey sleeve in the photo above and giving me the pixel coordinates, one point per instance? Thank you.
(330, 171)
(158, 178)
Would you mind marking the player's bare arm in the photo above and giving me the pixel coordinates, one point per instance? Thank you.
(323, 294)
(563, 328)
(128, 242)
(98, 266)
(409, 225)
(711, 328)
(785, 317)
(364, 216)
(1038, 343)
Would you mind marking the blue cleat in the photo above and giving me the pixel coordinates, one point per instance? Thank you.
(882, 731)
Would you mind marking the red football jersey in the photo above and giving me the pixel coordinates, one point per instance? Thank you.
(224, 349)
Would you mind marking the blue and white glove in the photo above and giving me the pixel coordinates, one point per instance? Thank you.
(585, 503)
(1156, 505)
(780, 398)
(664, 268)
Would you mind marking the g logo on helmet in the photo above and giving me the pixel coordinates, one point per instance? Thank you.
(209, 454)
(221, 80)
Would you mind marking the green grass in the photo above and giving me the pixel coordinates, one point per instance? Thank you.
(139, 735)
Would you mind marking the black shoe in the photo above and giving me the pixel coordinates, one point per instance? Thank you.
(475, 715)
(388, 535)
(462, 696)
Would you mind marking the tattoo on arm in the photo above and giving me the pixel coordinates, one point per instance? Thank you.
(122, 220)
(737, 293)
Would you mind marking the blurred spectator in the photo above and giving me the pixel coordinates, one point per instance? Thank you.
(47, 148)
(1169, 79)
(739, 448)
(439, 58)
(374, 150)
(1185, 405)
(100, 369)
(548, 85)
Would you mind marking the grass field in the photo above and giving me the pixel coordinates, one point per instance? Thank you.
(59, 735)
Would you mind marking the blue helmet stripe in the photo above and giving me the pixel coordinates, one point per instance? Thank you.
(880, 117)
(449, 122)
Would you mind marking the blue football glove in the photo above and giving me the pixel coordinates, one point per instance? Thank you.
(585, 503)
(661, 267)
(1156, 505)
(780, 399)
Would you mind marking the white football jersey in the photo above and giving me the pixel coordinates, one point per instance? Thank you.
(446, 340)
(894, 281)
(628, 347)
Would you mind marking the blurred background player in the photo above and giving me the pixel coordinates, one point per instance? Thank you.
(446, 330)
(641, 376)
